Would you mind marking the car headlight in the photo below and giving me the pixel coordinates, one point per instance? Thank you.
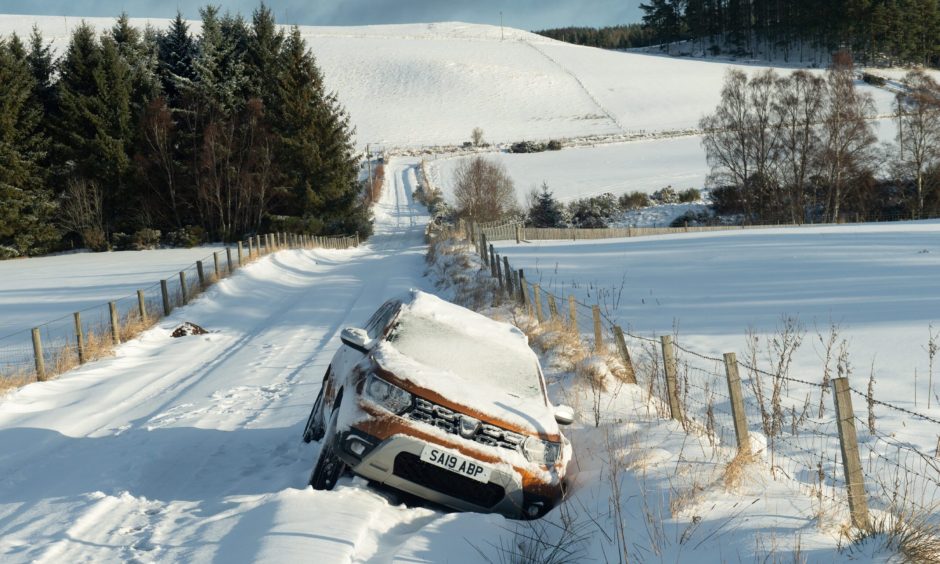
(389, 396)
(543, 452)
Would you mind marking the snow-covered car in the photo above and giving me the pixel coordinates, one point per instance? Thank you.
(438, 401)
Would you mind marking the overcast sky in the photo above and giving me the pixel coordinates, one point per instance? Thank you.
(523, 14)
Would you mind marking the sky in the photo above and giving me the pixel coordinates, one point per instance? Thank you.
(523, 14)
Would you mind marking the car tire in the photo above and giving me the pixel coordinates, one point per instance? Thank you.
(314, 430)
(329, 466)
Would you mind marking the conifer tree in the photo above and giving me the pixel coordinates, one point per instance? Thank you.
(546, 211)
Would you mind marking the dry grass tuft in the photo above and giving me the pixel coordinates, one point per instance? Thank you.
(736, 471)
(912, 534)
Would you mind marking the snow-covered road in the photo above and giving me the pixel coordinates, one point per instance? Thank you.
(189, 449)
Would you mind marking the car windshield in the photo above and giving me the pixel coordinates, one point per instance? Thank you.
(443, 346)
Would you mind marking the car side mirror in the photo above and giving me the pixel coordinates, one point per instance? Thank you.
(357, 338)
(564, 414)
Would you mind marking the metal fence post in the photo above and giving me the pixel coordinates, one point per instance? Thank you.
(851, 462)
(669, 366)
(37, 352)
(737, 402)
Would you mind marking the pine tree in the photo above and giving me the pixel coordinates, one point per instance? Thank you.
(26, 206)
(546, 211)
(176, 50)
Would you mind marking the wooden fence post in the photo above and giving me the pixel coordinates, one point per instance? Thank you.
(115, 324)
(215, 264)
(552, 308)
(37, 352)
(630, 375)
(494, 260)
(228, 259)
(851, 462)
(499, 274)
(141, 306)
(669, 366)
(598, 329)
(508, 272)
(518, 234)
(737, 403)
(166, 298)
(79, 337)
(183, 296)
(251, 245)
(572, 314)
(522, 288)
(483, 249)
(537, 297)
(202, 275)
(240, 251)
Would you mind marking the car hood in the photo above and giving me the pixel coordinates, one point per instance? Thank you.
(524, 414)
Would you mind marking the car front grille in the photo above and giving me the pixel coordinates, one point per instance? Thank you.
(410, 467)
(450, 421)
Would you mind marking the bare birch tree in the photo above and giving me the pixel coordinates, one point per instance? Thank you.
(919, 132)
(483, 190)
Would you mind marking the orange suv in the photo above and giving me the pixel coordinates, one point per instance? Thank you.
(438, 401)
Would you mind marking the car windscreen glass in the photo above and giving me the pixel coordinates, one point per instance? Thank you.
(445, 347)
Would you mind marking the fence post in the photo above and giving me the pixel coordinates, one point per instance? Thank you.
(522, 288)
(166, 298)
(552, 308)
(215, 263)
(493, 261)
(508, 272)
(572, 314)
(598, 330)
(240, 251)
(228, 258)
(851, 463)
(499, 273)
(183, 296)
(483, 248)
(115, 323)
(79, 337)
(37, 352)
(737, 402)
(630, 374)
(518, 237)
(669, 365)
(537, 296)
(142, 306)
(251, 244)
(202, 275)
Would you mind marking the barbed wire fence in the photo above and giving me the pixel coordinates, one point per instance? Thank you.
(843, 461)
(55, 346)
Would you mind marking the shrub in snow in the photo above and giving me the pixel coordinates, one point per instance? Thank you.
(665, 195)
(693, 218)
(726, 200)
(554, 145)
(633, 201)
(689, 196)
(594, 212)
(188, 236)
(546, 211)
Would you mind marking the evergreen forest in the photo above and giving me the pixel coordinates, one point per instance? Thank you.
(132, 138)
(875, 32)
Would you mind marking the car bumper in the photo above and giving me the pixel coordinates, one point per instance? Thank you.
(396, 462)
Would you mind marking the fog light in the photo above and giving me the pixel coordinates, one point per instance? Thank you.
(534, 510)
(355, 446)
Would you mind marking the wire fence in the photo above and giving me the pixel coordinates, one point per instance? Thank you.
(57, 345)
(808, 431)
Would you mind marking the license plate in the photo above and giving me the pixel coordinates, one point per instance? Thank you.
(456, 463)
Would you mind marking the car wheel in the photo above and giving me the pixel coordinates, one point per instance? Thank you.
(329, 466)
(314, 429)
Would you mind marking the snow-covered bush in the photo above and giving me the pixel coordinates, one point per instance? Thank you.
(665, 195)
(634, 201)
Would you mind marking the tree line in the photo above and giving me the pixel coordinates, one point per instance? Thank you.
(135, 137)
(802, 147)
(874, 31)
